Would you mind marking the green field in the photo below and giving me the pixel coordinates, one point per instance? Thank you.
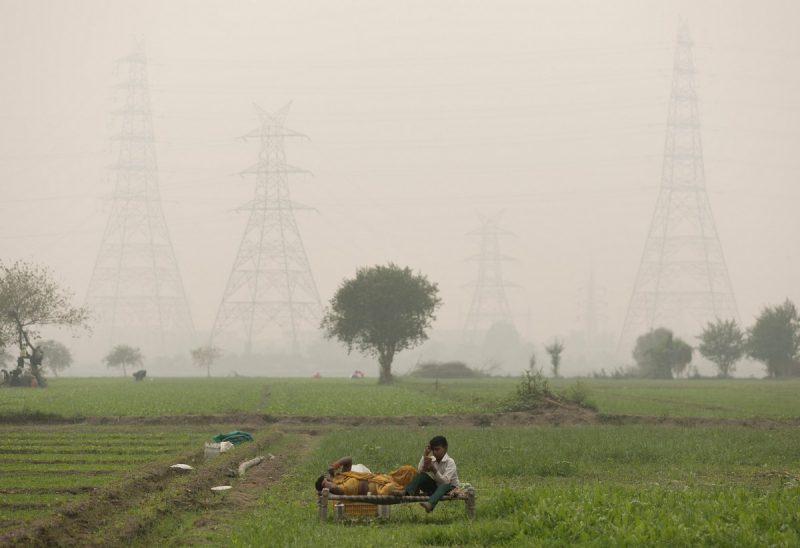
(556, 486)
(726, 481)
(111, 397)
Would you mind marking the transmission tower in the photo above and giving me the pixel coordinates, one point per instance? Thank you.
(489, 303)
(683, 280)
(271, 283)
(136, 293)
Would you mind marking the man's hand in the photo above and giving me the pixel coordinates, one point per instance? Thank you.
(427, 465)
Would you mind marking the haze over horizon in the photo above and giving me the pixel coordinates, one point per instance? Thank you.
(424, 118)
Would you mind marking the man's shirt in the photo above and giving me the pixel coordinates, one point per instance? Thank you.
(445, 470)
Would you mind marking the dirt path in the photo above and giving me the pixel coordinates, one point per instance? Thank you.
(214, 519)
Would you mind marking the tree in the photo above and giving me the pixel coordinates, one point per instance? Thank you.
(205, 356)
(659, 354)
(57, 357)
(29, 300)
(555, 351)
(5, 358)
(382, 311)
(501, 343)
(775, 339)
(123, 355)
(722, 343)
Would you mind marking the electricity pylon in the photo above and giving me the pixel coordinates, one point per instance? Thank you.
(136, 293)
(271, 283)
(683, 280)
(489, 303)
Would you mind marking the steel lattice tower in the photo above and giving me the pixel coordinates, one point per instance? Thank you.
(136, 292)
(683, 280)
(489, 303)
(271, 281)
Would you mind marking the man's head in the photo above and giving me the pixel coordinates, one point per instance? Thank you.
(438, 445)
(319, 482)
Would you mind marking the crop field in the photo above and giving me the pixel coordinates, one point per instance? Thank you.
(42, 467)
(634, 472)
(633, 485)
(112, 397)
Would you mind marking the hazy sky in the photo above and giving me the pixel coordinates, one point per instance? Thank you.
(423, 116)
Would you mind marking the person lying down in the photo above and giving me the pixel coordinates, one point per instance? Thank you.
(345, 478)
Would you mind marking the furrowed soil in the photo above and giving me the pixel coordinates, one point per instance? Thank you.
(156, 505)
(128, 511)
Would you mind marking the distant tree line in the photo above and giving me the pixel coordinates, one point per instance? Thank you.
(774, 340)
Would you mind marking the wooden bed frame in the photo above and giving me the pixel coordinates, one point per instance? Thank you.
(383, 502)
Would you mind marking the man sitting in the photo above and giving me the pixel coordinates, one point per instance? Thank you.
(345, 478)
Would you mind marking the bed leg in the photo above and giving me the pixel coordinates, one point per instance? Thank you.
(470, 504)
(322, 503)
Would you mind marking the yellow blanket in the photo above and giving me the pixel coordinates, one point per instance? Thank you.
(377, 484)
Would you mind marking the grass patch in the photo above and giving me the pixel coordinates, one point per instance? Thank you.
(70, 399)
(608, 485)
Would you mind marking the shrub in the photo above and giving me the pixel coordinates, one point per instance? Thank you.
(532, 389)
(445, 370)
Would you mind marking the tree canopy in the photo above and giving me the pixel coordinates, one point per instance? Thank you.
(205, 356)
(722, 343)
(659, 354)
(382, 311)
(56, 356)
(123, 356)
(30, 299)
(775, 339)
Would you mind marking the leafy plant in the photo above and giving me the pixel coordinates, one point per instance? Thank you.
(532, 389)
